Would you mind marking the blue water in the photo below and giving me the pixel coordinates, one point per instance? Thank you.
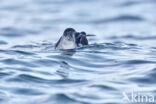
(120, 58)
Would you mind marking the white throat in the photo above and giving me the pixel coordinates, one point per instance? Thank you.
(66, 44)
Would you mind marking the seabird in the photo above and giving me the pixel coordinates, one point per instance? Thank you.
(72, 39)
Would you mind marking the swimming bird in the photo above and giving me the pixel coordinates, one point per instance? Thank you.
(81, 39)
(72, 39)
(67, 40)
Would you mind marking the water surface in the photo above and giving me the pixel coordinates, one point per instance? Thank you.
(121, 58)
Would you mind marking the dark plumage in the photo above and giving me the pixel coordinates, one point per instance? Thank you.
(81, 39)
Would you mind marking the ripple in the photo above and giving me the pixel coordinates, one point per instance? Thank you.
(152, 75)
(3, 74)
(3, 42)
(11, 32)
(46, 62)
(121, 57)
(123, 18)
(35, 79)
(129, 3)
(26, 46)
(79, 62)
(26, 91)
(148, 78)
(131, 36)
(17, 62)
(139, 62)
(101, 46)
(60, 98)
(3, 98)
(24, 52)
(28, 78)
(21, 52)
(104, 87)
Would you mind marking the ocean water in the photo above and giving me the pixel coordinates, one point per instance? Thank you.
(119, 62)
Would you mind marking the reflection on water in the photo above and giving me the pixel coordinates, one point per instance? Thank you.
(68, 52)
(120, 58)
(64, 69)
